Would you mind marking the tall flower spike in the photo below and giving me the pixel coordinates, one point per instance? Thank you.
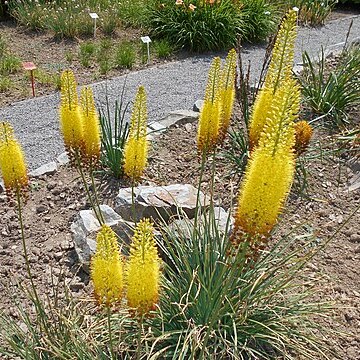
(210, 113)
(270, 172)
(143, 270)
(278, 73)
(282, 59)
(12, 163)
(227, 92)
(107, 268)
(92, 140)
(303, 134)
(70, 114)
(136, 148)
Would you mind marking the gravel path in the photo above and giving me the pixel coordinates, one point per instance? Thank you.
(170, 87)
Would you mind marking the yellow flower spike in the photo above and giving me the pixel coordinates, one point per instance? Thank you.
(70, 114)
(278, 73)
(136, 148)
(227, 92)
(12, 163)
(264, 190)
(92, 140)
(107, 268)
(303, 134)
(143, 270)
(280, 67)
(269, 174)
(210, 113)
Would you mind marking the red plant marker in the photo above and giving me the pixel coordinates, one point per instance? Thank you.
(30, 66)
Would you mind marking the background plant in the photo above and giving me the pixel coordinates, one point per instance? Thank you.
(207, 27)
(125, 55)
(115, 131)
(314, 12)
(332, 92)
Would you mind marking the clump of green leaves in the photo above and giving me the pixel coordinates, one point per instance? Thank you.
(163, 48)
(115, 131)
(125, 55)
(86, 52)
(332, 91)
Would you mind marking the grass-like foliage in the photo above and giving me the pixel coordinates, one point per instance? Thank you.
(197, 25)
(125, 55)
(314, 12)
(260, 19)
(69, 18)
(212, 306)
(115, 131)
(332, 91)
(233, 310)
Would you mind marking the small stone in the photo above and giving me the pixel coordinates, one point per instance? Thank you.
(76, 286)
(47, 219)
(2, 186)
(63, 159)
(198, 105)
(58, 255)
(355, 238)
(47, 169)
(357, 250)
(188, 127)
(179, 117)
(41, 209)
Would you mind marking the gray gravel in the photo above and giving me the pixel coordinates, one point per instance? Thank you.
(170, 86)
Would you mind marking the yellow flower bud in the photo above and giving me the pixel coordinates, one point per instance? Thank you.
(303, 134)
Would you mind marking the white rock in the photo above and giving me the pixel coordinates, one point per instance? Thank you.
(158, 201)
(46, 169)
(63, 159)
(85, 228)
(198, 105)
(179, 117)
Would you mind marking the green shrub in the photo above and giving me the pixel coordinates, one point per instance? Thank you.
(260, 19)
(331, 92)
(125, 55)
(207, 27)
(314, 12)
(163, 49)
(86, 52)
(115, 131)
(9, 64)
(5, 84)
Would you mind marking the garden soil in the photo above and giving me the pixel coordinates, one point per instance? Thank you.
(326, 212)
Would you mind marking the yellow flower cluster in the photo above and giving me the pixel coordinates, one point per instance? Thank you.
(303, 134)
(269, 174)
(12, 163)
(218, 105)
(74, 119)
(140, 276)
(143, 269)
(136, 147)
(107, 268)
(279, 71)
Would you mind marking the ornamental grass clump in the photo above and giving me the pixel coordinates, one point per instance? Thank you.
(280, 69)
(210, 113)
(12, 162)
(227, 92)
(136, 147)
(107, 268)
(143, 270)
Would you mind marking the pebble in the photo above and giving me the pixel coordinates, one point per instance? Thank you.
(76, 286)
(41, 209)
(355, 238)
(58, 255)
